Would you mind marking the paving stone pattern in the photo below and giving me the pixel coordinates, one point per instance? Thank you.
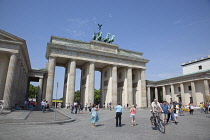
(190, 127)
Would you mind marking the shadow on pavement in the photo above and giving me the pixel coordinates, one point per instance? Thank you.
(98, 125)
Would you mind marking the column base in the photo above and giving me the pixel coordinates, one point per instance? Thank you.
(7, 109)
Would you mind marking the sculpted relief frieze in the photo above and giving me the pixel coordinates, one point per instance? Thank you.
(92, 57)
(103, 49)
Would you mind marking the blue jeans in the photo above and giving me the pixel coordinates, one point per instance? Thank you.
(43, 108)
(201, 109)
(172, 116)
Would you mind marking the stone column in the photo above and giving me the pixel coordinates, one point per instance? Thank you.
(101, 89)
(172, 93)
(206, 94)
(164, 93)
(4, 62)
(91, 83)
(71, 81)
(44, 87)
(143, 89)
(40, 91)
(114, 85)
(182, 94)
(194, 93)
(9, 82)
(148, 97)
(19, 84)
(15, 85)
(129, 86)
(156, 93)
(23, 84)
(138, 97)
(50, 79)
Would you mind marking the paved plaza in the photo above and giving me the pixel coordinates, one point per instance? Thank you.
(190, 127)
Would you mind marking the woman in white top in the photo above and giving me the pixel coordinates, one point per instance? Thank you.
(191, 107)
(176, 111)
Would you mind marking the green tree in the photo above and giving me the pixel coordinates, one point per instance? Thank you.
(97, 96)
(77, 96)
(33, 91)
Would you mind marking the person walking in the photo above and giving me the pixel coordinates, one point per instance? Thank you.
(165, 109)
(94, 115)
(86, 107)
(206, 107)
(169, 112)
(132, 115)
(119, 111)
(201, 107)
(110, 106)
(43, 105)
(72, 109)
(176, 112)
(180, 109)
(90, 107)
(191, 107)
(172, 111)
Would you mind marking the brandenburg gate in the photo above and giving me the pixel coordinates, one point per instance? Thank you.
(122, 71)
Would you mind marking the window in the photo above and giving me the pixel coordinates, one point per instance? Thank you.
(179, 89)
(170, 90)
(189, 88)
(200, 67)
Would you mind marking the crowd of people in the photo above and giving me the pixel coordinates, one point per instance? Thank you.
(170, 111)
(205, 107)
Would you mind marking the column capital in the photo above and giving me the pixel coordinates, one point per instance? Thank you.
(52, 57)
(114, 65)
(13, 53)
(72, 60)
(91, 62)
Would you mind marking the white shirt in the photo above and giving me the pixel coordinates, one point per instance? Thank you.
(191, 107)
(156, 106)
(43, 103)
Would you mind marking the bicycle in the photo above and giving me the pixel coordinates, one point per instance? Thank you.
(157, 122)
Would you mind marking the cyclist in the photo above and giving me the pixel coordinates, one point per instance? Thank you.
(155, 108)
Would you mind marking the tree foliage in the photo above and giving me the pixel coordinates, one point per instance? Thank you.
(97, 96)
(33, 91)
(77, 96)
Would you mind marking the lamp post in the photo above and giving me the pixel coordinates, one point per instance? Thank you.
(55, 102)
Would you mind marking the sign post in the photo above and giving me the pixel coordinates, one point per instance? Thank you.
(55, 102)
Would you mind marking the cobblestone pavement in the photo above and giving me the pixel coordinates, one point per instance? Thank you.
(31, 116)
(190, 127)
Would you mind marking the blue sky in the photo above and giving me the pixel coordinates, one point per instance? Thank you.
(167, 32)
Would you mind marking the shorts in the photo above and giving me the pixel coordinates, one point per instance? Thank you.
(165, 116)
(132, 115)
(175, 114)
